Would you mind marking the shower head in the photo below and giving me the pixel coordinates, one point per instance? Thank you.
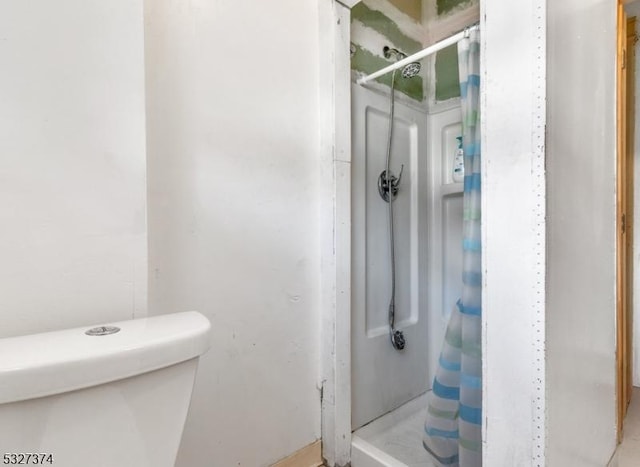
(411, 70)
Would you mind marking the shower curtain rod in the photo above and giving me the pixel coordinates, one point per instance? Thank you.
(420, 55)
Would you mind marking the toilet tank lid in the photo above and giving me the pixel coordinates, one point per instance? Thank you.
(39, 365)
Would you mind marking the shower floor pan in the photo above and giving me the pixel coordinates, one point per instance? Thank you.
(393, 440)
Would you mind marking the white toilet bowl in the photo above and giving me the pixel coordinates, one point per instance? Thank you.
(105, 400)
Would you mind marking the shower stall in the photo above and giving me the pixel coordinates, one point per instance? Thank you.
(514, 364)
(408, 248)
(389, 386)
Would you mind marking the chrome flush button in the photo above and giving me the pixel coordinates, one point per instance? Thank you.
(102, 331)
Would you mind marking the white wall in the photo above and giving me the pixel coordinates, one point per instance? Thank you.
(513, 242)
(72, 164)
(233, 151)
(581, 165)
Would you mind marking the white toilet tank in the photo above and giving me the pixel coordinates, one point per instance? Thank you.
(105, 400)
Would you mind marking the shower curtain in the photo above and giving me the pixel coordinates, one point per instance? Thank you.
(453, 428)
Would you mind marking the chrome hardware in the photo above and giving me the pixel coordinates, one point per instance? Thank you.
(102, 331)
(397, 337)
(386, 184)
(397, 340)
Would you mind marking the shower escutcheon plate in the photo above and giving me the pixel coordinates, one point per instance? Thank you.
(391, 183)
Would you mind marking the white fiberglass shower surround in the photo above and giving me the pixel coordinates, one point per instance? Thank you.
(428, 224)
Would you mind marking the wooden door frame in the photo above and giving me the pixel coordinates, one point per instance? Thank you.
(620, 123)
(630, 192)
(625, 97)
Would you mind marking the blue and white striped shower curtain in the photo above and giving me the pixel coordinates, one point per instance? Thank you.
(453, 428)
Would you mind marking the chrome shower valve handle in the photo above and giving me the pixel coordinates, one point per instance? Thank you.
(396, 183)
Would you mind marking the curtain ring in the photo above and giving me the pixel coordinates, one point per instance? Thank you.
(467, 32)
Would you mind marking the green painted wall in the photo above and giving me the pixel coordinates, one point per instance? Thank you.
(447, 79)
(377, 21)
(446, 61)
(445, 6)
(412, 8)
(366, 62)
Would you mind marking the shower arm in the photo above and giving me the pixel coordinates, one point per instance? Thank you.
(443, 44)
